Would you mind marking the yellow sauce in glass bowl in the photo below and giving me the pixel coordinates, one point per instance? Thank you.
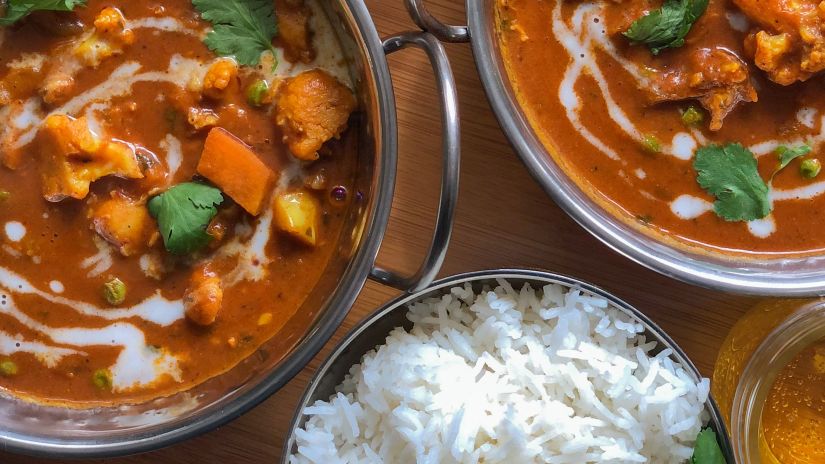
(792, 426)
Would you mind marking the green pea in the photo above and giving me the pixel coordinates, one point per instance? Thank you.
(810, 168)
(651, 144)
(8, 368)
(114, 292)
(256, 92)
(692, 116)
(102, 379)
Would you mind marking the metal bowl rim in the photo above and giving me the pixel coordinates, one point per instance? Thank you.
(722, 276)
(531, 275)
(354, 279)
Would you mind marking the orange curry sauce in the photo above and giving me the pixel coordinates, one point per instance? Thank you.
(641, 185)
(60, 340)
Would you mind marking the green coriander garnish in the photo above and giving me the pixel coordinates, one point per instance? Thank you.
(19, 9)
(730, 174)
(788, 154)
(183, 213)
(241, 28)
(667, 26)
(707, 450)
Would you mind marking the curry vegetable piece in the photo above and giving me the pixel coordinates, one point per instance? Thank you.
(8, 368)
(114, 292)
(651, 144)
(706, 450)
(102, 379)
(667, 26)
(810, 168)
(692, 117)
(257, 92)
(730, 174)
(183, 212)
(297, 214)
(232, 166)
(4, 195)
(19, 9)
(241, 28)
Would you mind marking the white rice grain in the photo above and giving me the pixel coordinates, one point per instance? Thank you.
(507, 375)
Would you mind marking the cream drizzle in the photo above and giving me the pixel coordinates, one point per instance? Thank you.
(174, 154)
(582, 37)
(99, 262)
(136, 365)
(50, 356)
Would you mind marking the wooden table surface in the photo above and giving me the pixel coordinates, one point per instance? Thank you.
(504, 219)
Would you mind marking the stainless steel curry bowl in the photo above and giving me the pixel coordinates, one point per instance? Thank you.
(790, 276)
(373, 331)
(49, 431)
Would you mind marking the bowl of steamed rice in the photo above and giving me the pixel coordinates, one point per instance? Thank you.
(507, 366)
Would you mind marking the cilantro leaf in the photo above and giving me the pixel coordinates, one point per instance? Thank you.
(786, 154)
(19, 9)
(183, 213)
(730, 174)
(706, 450)
(667, 26)
(243, 28)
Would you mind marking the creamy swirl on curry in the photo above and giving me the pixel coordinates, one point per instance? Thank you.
(702, 121)
(174, 179)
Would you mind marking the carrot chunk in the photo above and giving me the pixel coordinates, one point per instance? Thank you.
(234, 168)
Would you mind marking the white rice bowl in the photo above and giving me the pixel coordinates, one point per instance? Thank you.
(550, 376)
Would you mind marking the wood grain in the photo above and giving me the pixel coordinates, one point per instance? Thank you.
(504, 220)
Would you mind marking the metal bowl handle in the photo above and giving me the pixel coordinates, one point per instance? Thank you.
(451, 147)
(429, 23)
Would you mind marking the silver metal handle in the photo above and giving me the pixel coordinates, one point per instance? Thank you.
(451, 147)
(429, 23)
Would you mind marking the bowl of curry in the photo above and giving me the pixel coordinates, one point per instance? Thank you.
(685, 134)
(192, 193)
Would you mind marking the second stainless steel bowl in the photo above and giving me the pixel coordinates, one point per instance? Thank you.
(373, 331)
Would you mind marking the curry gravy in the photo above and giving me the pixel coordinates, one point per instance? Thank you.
(580, 83)
(55, 326)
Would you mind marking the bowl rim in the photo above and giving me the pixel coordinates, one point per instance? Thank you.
(340, 301)
(760, 277)
(532, 276)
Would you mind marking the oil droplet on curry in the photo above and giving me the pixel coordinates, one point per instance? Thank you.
(624, 108)
(165, 190)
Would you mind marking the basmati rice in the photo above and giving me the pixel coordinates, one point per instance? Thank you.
(554, 376)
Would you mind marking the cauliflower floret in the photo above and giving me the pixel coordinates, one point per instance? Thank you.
(77, 157)
(109, 38)
(203, 298)
(788, 40)
(125, 223)
(313, 108)
(218, 77)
